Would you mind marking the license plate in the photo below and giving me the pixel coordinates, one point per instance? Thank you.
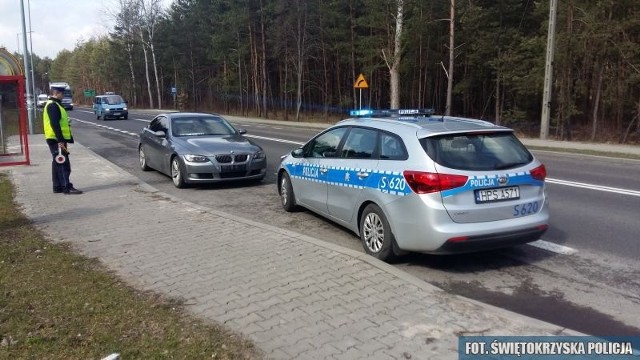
(500, 194)
(116, 113)
(233, 168)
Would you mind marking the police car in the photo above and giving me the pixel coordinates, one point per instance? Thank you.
(410, 181)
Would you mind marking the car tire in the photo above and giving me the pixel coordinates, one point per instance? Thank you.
(287, 197)
(375, 233)
(97, 117)
(143, 159)
(126, 117)
(177, 173)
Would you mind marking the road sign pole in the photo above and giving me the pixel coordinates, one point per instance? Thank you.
(360, 99)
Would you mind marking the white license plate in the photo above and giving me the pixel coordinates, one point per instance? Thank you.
(116, 114)
(500, 194)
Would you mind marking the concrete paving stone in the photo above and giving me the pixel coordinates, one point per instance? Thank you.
(290, 292)
(330, 307)
(246, 321)
(369, 345)
(268, 324)
(332, 294)
(279, 354)
(345, 343)
(297, 342)
(266, 303)
(335, 321)
(293, 315)
(350, 354)
(325, 351)
(278, 310)
(380, 355)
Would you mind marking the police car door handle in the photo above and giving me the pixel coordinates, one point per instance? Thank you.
(324, 170)
(362, 175)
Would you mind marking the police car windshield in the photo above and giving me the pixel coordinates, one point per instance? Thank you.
(477, 152)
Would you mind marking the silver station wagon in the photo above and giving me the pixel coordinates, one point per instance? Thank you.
(410, 181)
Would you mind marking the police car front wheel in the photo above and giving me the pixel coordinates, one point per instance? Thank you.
(287, 197)
(375, 233)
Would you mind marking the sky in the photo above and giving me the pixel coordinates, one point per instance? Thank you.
(55, 24)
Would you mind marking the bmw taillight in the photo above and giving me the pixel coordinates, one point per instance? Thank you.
(426, 182)
(539, 173)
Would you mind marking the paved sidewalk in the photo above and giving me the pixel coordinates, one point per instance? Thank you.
(295, 296)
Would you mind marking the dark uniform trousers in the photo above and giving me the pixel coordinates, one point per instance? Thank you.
(59, 172)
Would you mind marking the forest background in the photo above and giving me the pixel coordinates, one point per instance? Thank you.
(298, 60)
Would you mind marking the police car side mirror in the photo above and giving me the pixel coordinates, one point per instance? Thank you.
(160, 133)
(297, 153)
(242, 131)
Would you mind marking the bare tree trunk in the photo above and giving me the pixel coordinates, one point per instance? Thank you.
(155, 71)
(451, 57)
(353, 51)
(596, 105)
(264, 60)
(498, 100)
(396, 58)
(240, 76)
(146, 69)
(256, 74)
(300, 56)
(132, 72)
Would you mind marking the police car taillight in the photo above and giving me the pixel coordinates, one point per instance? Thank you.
(425, 182)
(539, 173)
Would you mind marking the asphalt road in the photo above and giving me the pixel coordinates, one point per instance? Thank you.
(590, 284)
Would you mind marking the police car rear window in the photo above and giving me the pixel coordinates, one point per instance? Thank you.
(477, 151)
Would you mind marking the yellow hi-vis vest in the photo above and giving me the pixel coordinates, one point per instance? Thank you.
(64, 122)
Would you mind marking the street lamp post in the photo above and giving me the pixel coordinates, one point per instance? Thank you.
(27, 68)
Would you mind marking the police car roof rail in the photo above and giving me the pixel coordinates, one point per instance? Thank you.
(394, 113)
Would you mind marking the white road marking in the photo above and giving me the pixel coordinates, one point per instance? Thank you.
(274, 139)
(553, 247)
(594, 187)
(106, 127)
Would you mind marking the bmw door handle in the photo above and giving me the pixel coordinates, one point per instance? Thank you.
(362, 175)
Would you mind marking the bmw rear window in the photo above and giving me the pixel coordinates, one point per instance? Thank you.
(477, 151)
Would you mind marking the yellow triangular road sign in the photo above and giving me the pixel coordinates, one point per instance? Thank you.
(361, 83)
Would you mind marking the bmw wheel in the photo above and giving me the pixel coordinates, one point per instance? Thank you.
(177, 175)
(143, 160)
(375, 233)
(287, 197)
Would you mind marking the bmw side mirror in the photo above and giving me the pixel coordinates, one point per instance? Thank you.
(242, 131)
(297, 153)
(160, 133)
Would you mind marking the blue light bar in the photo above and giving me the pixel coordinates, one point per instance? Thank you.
(361, 112)
(392, 113)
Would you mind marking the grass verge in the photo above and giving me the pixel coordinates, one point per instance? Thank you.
(56, 304)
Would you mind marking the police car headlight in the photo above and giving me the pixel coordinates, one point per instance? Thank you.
(195, 158)
(259, 155)
(124, 108)
(107, 110)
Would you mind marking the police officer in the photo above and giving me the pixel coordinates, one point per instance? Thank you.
(57, 132)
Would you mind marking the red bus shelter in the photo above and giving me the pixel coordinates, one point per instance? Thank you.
(14, 144)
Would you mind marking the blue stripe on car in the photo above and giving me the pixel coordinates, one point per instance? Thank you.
(393, 182)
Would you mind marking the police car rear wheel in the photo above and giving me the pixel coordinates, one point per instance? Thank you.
(287, 197)
(375, 233)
